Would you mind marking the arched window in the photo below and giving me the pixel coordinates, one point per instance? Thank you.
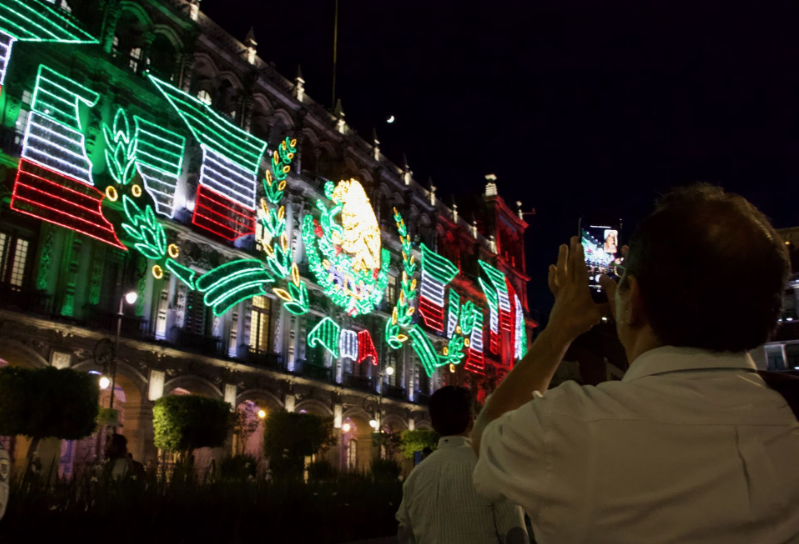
(162, 58)
(204, 97)
(128, 42)
(352, 454)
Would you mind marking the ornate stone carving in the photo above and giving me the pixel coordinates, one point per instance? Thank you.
(45, 256)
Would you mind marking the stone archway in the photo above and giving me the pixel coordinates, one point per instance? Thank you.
(361, 432)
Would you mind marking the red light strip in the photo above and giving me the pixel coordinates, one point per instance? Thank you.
(366, 348)
(432, 314)
(27, 191)
(475, 362)
(205, 215)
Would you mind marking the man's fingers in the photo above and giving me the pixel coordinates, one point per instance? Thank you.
(578, 271)
(552, 279)
(610, 286)
(624, 251)
(562, 267)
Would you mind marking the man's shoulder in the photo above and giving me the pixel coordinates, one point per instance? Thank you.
(588, 402)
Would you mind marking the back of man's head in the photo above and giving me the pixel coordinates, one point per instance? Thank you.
(711, 270)
(450, 410)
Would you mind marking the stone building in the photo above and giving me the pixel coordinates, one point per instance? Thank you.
(212, 112)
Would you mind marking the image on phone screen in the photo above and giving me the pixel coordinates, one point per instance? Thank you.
(602, 252)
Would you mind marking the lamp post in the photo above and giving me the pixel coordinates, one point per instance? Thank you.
(130, 298)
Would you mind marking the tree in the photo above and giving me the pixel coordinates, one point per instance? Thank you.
(290, 437)
(186, 422)
(418, 440)
(389, 441)
(47, 403)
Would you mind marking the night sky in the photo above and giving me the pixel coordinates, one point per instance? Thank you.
(578, 107)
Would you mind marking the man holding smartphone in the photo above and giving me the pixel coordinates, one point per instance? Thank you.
(691, 446)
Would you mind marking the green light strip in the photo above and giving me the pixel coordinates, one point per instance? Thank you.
(36, 21)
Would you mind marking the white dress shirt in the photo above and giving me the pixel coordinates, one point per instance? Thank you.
(690, 447)
(441, 506)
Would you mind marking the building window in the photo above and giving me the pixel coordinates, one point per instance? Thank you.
(135, 57)
(774, 359)
(204, 97)
(260, 324)
(115, 49)
(789, 306)
(195, 314)
(13, 260)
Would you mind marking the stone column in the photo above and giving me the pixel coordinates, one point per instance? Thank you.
(146, 48)
(113, 10)
(186, 70)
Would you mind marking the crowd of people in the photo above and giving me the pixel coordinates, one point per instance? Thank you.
(694, 445)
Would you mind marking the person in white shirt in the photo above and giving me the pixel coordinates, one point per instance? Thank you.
(439, 502)
(691, 446)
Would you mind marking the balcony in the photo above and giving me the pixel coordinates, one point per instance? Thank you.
(359, 382)
(105, 321)
(316, 372)
(264, 359)
(37, 302)
(199, 343)
(394, 392)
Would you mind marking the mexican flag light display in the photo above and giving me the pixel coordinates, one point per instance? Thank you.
(143, 165)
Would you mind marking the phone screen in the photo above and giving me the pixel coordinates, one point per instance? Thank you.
(602, 251)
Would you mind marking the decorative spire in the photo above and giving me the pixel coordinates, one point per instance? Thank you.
(407, 175)
(194, 10)
(491, 186)
(251, 45)
(338, 112)
(520, 212)
(432, 190)
(454, 209)
(376, 145)
(299, 85)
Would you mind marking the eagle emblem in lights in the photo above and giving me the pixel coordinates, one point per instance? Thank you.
(344, 248)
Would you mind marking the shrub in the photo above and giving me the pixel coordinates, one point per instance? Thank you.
(187, 422)
(290, 437)
(322, 470)
(238, 467)
(413, 441)
(47, 402)
(391, 442)
(385, 470)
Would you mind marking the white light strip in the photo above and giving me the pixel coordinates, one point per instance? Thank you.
(220, 174)
(348, 345)
(493, 320)
(476, 339)
(7, 43)
(519, 328)
(432, 289)
(164, 199)
(504, 301)
(42, 154)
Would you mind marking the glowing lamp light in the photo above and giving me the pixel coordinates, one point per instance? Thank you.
(346, 427)
(261, 414)
(373, 423)
(390, 371)
(131, 297)
(105, 382)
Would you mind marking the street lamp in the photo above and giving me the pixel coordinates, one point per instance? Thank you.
(131, 298)
(346, 427)
(104, 382)
(261, 414)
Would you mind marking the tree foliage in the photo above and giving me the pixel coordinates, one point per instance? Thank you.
(290, 437)
(48, 402)
(418, 440)
(187, 422)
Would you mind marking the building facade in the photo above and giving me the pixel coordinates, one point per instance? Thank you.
(279, 260)
(782, 353)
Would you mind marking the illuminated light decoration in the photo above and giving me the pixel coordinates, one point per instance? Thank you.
(493, 316)
(475, 361)
(145, 229)
(158, 272)
(346, 258)
(403, 311)
(111, 193)
(53, 136)
(366, 347)
(231, 158)
(437, 272)
(348, 344)
(120, 153)
(520, 337)
(499, 304)
(183, 273)
(173, 250)
(326, 333)
(228, 284)
(278, 257)
(452, 314)
(35, 21)
(159, 161)
(425, 350)
(54, 180)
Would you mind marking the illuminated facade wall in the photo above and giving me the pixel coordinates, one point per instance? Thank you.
(181, 165)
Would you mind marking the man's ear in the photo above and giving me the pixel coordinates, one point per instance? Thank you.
(634, 302)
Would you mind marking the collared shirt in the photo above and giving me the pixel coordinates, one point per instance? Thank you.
(441, 506)
(5, 472)
(690, 447)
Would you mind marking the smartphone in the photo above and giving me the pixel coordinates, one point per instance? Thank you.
(602, 246)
